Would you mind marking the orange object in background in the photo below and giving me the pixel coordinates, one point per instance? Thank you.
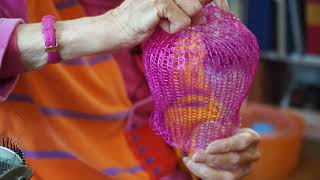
(281, 133)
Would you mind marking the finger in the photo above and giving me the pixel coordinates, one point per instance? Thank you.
(251, 155)
(176, 18)
(190, 7)
(242, 172)
(222, 4)
(239, 142)
(205, 2)
(200, 157)
(232, 160)
(247, 130)
(197, 19)
(205, 172)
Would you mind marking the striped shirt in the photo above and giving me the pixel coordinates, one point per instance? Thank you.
(70, 117)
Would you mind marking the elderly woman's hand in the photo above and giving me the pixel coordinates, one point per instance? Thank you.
(137, 19)
(226, 159)
(125, 26)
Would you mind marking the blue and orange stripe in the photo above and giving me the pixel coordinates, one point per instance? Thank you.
(110, 171)
(66, 113)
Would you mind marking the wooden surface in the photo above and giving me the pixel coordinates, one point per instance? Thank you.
(309, 165)
(270, 83)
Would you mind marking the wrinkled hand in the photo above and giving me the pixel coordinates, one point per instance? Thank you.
(136, 20)
(226, 159)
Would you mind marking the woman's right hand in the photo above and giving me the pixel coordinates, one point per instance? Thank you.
(137, 19)
(125, 26)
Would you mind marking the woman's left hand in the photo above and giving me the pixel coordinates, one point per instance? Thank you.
(226, 159)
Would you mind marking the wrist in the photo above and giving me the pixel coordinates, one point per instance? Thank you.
(30, 46)
(87, 35)
(107, 31)
(76, 38)
(118, 32)
(126, 37)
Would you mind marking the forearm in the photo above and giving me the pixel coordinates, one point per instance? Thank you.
(75, 38)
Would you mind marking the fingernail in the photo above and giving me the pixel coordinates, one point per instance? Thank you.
(198, 19)
(185, 159)
(214, 146)
(225, 5)
(228, 176)
(199, 157)
(175, 28)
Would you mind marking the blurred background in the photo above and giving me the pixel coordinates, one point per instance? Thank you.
(284, 103)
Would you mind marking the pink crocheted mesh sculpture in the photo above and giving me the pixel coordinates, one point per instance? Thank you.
(199, 78)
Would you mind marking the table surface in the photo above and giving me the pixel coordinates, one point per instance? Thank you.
(309, 165)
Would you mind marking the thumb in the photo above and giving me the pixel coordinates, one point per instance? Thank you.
(205, 172)
(222, 4)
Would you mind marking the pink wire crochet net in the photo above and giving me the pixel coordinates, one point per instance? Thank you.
(199, 78)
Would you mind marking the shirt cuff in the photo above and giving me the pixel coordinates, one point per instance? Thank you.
(6, 87)
(8, 81)
(11, 64)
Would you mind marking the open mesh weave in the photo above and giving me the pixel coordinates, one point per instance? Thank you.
(199, 78)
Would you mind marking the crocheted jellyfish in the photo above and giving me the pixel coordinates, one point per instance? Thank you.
(199, 78)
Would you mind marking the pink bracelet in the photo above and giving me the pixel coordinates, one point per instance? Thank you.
(50, 42)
